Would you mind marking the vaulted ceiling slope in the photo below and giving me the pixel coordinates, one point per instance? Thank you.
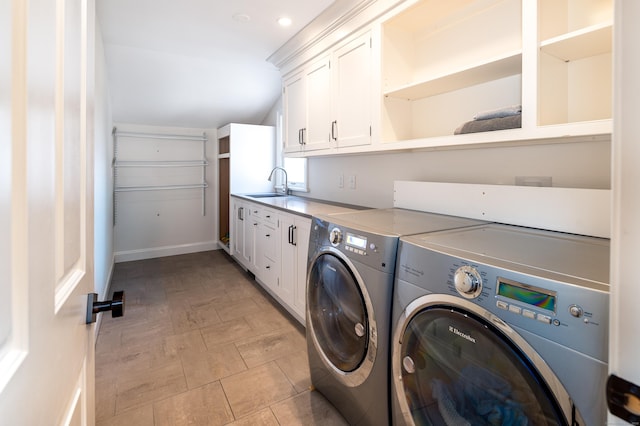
(196, 63)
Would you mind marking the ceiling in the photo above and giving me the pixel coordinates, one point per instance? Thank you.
(190, 63)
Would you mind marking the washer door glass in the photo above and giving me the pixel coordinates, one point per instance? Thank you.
(338, 313)
(458, 369)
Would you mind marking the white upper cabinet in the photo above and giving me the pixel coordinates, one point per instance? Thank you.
(432, 66)
(295, 115)
(317, 134)
(352, 70)
(308, 107)
(327, 103)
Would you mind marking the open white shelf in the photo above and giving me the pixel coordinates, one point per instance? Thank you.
(591, 41)
(491, 69)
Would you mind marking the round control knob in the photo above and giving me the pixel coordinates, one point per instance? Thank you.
(335, 236)
(575, 311)
(467, 281)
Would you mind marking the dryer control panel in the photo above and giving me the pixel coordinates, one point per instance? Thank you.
(375, 250)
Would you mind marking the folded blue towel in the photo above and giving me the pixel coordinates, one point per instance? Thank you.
(498, 113)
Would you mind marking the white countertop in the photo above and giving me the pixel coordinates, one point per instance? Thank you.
(299, 205)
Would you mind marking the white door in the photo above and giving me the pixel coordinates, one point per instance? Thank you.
(46, 214)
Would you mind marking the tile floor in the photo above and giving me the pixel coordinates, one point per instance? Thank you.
(202, 344)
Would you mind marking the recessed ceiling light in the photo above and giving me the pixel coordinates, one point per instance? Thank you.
(284, 21)
(241, 17)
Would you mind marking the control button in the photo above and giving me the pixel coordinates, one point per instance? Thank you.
(467, 281)
(556, 322)
(529, 314)
(335, 236)
(373, 247)
(502, 305)
(515, 309)
(575, 311)
(544, 318)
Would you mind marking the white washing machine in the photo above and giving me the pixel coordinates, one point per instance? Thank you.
(500, 325)
(349, 289)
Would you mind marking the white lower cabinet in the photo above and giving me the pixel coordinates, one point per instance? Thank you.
(273, 245)
(243, 233)
(294, 231)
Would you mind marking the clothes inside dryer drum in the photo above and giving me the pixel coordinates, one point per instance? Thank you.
(338, 313)
(458, 369)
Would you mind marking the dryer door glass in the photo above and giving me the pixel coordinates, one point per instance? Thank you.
(338, 313)
(459, 369)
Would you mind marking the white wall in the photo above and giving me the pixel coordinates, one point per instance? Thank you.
(166, 222)
(103, 182)
(575, 165)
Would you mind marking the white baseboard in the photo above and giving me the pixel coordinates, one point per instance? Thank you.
(153, 252)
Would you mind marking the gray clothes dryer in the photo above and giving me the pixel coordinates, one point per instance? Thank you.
(349, 289)
(500, 325)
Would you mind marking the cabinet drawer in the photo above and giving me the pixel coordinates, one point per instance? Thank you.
(269, 273)
(270, 216)
(255, 211)
(268, 241)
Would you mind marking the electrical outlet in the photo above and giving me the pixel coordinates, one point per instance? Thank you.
(341, 180)
(352, 181)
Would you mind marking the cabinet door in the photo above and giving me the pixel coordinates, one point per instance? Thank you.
(301, 237)
(295, 114)
(237, 239)
(250, 239)
(353, 92)
(287, 259)
(318, 130)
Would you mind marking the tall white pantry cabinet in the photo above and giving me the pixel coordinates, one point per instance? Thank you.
(246, 156)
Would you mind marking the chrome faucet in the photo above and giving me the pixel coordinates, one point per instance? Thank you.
(285, 188)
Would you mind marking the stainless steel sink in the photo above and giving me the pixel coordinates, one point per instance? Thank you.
(266, 195)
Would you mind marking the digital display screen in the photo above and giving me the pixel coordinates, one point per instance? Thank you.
(356, 241)
(525, 294)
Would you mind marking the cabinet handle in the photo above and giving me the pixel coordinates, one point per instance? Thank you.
(293, 239)
(334, 130)
(241, 213)
(268, 267)
(289, 235)
(300, 136)
(267, 235)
